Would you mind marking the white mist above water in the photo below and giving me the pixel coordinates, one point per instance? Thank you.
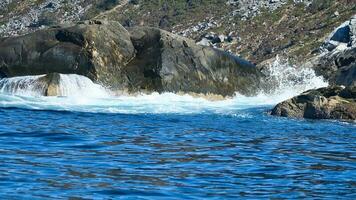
(82, 95)
(290, 80)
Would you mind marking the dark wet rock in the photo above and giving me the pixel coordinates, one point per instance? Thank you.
(173, 63)
(324, 103)
(94, 49)
(143, 59)
(342, 35)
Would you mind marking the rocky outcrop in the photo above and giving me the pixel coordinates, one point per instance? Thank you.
(337, 62)
(141, 59)
(342, 37)
(261, 29)
(338, 68)
(325, 103)
(95, 49)
(173, 63)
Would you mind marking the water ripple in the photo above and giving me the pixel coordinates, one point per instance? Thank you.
(70, 155)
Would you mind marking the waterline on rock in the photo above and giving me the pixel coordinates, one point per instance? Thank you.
(78, 93)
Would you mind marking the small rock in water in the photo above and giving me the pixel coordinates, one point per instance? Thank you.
(325, 103)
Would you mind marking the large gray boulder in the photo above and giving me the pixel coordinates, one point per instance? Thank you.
(141, 59)
(95, 49)
(167, 62)
(324, 103)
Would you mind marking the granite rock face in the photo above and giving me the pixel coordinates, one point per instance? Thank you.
(324, 103)
(141, 59)
(337, 67)
(337, 64)
(173, 63)
(95, 49)
(337, 61)
(261, 29)
(343, 36)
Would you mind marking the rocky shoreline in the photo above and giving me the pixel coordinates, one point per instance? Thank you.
(141, 59)
(337, 64)
(145, 59)
(137, 59)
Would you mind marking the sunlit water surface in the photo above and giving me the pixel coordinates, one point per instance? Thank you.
(244, 154)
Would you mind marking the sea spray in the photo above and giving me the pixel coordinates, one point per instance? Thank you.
(82, 95)
(22, 85)
(70, 85)
(285, 80)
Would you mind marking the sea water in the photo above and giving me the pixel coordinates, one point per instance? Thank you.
(91, 144)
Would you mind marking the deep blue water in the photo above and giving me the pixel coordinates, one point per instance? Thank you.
(249, 154)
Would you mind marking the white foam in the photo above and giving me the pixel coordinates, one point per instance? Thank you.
(80, 86)
(71, 85)
(84, 96)
(24, 85)
(288, 80)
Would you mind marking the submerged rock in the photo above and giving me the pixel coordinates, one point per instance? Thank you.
(325, 103)
(141, 59)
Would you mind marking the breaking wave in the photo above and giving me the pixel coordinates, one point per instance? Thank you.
(80, 94)
(71, 85)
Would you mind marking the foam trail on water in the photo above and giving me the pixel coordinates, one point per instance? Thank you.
(82, 95)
